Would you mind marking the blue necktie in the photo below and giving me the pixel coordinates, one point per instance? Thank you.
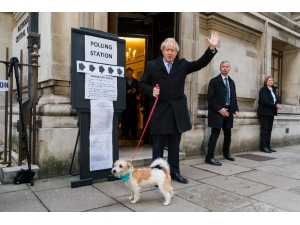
(169, 67)
(227, 92)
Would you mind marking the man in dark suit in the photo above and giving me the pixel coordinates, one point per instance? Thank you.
(171, 117)
(129, 115)
(222, 104)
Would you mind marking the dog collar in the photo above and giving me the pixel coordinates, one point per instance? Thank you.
(125, 177)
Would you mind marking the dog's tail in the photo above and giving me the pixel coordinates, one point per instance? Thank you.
(160, 162)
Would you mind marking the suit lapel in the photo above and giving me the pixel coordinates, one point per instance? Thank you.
(220, 79)
(232, 89)
(230, 85)
(161, 64)
(174, 65)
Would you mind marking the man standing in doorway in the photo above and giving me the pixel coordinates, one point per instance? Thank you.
(129, 115)
(171, 117)
(222, 104)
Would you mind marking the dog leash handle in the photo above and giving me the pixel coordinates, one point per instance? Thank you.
(154, 105)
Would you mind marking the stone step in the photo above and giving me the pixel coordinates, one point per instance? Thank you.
(7, 174)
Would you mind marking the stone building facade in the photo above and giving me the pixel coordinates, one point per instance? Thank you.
(256, 44)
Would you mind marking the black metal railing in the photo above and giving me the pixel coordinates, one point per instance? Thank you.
(27, 107)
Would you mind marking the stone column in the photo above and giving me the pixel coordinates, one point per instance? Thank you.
(58, 129)
(190, 49)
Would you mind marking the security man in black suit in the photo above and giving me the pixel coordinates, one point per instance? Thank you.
(171, 116)
(222, 105)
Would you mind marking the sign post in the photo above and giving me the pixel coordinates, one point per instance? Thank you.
(98, 80)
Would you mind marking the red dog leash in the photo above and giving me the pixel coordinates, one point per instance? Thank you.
(152, 110)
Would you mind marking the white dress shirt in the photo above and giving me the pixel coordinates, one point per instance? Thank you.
(274, 97)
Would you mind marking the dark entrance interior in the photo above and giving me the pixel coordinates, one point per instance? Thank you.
(144, 32)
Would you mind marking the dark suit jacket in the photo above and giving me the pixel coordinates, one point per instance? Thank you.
(266, 105)
(131, 100)
(172, 102)
(216, 97)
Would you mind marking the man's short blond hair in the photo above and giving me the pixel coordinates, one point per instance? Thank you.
(169, 42)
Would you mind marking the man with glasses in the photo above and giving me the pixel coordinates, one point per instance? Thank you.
(222, 105)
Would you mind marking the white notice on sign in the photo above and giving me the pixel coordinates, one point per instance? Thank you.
(100, 87)
(3, 85)
(101, 134)
(100, 50)
(100, 150)
(102, 112)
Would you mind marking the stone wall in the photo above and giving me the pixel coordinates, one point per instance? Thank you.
(246, 41)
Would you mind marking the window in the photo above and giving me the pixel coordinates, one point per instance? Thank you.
(276, 70)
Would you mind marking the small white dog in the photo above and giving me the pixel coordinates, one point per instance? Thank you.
(135, 178)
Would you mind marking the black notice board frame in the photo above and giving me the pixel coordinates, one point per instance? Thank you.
(82, 105)
(78, 101)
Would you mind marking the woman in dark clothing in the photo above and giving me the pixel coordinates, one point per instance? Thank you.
(268, 104)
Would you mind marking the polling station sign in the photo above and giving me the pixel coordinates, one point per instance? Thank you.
(3, 85)
(100, 50)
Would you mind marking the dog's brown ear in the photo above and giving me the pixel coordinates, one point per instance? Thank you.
(128, 165)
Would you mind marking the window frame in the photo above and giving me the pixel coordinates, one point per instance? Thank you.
(276, 67)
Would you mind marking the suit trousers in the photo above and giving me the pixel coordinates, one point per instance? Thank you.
(266, 125)
(159, 141)
(215, 133)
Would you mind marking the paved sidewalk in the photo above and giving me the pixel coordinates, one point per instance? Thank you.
(254, 182)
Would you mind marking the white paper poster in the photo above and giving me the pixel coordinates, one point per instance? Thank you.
(101, 87)
(102, 115)
(100, 150)
(101, 134)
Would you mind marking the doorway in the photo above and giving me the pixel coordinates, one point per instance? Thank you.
(135, 49)
(144, 32)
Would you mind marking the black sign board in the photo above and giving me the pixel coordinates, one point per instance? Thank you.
(78, 80)
(80, 41)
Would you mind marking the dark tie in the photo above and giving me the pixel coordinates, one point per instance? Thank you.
(227, 92)
(169, 67)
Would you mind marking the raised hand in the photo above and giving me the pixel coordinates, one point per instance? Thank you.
(213, 40)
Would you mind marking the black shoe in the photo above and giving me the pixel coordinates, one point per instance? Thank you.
(265, 150)
(229, 157)
(179, 178)
(212, 161)
(272, 150)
